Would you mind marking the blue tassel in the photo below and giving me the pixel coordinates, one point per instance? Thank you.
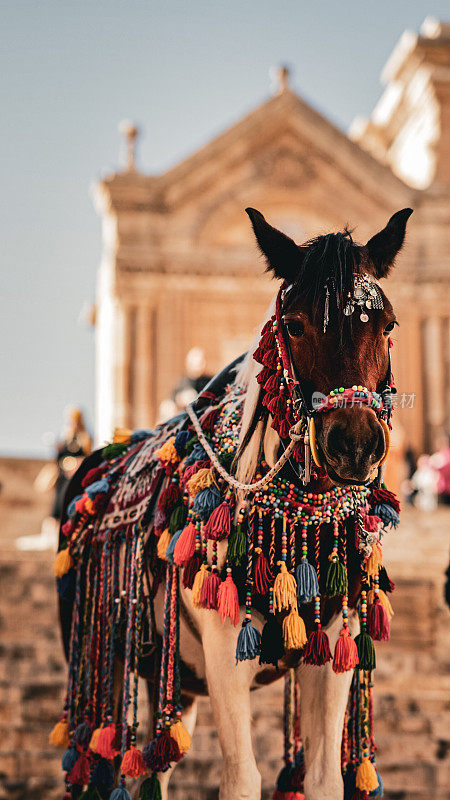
(66, 585)
(98, 487)
(103, 774)
(171, 545)
(198, 454)
(82, 735)
(248, 643)
(379, 791)
(181, 440)
(140, 435)
(387, 514)
(206, 501)
(307, 583)
(120, 794)
(71, 510)
(69, 759)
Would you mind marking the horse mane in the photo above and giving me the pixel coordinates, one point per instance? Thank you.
(332, 260)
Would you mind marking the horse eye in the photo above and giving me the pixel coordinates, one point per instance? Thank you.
(389, 328)
(295, 327)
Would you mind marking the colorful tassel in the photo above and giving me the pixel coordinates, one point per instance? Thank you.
(94, 740)
(163, 543)
(190, 570)
(228, 600)
(237, 545)
(201, 480)
(218, 526)
(374, 561)
(69, 759)
(103, 774)
(284, 589)
(80, 772)
(389, 517)
(63, 562)
(248, 643)
(210, 587)
(294, 631)
(121, 793)
(307, 583)
(178, 518)
(366, 651)
(206, 501)
(181, 736)
(272, 646)
(150, 789)
(345, 652)
(59, 736)
(105, 742)
(366, 776)
(386, 585)
(185, 545)
(133, 765)
(181, 440)
(378, 623)
(168, 453)
(171, 546)
(113, 450)
(161, 752)
(263, 576)
(82, 735)
(197, 586)
(317, 650)
(336, 581)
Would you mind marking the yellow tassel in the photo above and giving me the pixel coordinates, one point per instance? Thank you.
(181, 736)
(197, 585)
(122, 435)
(201, 480)
(294, 631)
(366, 776)
(63, 562)
(163, 543)
(284, 589)
(59, 736)
(94, 740)
(168, 453)
(374, 561)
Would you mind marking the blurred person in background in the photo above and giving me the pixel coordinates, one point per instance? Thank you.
(74, 446)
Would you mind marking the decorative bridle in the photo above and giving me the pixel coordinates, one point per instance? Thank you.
(293, 417)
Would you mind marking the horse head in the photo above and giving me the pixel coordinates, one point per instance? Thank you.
(336, 323)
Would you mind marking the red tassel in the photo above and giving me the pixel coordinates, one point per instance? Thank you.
(218, 526)
(208, 419)
(268, 340)
(317, 649)
(268, 358)
(272, 384)
(277, 406)
(264, 375)
(282, 426)
(67, 529)
(133, 765)
(380, 495)
(345, 653)
(93, 475)
(210, 587)
(190, 570)
(228, 600)
(263, 575)
(378, 623)
(105, 742)
(185, 545)
(79, 505)
(166, 749)
(371, 522)
(80, 772)
(169, 498)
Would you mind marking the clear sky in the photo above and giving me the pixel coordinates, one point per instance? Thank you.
(184, 71)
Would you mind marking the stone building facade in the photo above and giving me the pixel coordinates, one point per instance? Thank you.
(180, 267)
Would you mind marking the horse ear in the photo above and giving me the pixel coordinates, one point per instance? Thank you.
(282, 255)
(384, 246)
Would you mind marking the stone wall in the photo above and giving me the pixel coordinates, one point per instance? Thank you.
(412, 680)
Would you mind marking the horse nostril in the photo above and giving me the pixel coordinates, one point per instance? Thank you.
(337, 443)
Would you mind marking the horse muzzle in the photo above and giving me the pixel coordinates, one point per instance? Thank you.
(350, 444)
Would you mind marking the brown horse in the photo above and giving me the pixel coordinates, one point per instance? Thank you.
(329, 346)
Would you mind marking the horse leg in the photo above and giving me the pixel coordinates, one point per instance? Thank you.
(229, 692)
(189, 718)
(323, 700)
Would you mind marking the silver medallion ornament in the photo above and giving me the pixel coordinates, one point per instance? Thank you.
(365, 297)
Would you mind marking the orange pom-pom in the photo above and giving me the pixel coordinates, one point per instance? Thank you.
(59, 736)
(133, 765)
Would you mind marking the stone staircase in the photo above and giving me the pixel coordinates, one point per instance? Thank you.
(412, 680)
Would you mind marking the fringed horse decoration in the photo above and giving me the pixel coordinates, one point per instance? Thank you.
(241, 542)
